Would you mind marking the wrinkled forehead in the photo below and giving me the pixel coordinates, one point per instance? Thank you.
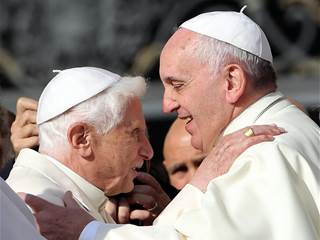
(180, 41)
(177, 53)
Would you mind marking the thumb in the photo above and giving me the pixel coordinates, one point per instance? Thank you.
(69, 201)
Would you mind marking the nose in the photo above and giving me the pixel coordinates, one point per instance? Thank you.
(169, 104)
(191, 171)
(146, 150)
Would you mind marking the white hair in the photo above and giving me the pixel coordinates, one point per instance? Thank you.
(219, 54)
(104, 111)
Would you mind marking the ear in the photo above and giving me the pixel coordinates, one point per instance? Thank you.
(79, 137)
(235, 83)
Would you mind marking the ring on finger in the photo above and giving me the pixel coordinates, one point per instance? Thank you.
(249, 132)
(154, 207)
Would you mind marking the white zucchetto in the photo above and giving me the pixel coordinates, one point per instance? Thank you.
(71, 87)
(234, 28)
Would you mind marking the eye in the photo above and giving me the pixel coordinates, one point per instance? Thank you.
(176, 85)
(197, 162)
(135, 132)
(179, 170)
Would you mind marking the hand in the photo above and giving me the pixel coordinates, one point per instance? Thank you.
(144, 203)
(24, 131)
(55, 222)
(118, 208)
(228, 148)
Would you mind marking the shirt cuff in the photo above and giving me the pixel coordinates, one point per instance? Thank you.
(90, 231)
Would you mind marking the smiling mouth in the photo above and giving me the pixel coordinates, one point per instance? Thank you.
(137, 168)
(188, 119)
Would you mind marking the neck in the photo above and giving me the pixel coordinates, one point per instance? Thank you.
(248, 98)
(71, 161)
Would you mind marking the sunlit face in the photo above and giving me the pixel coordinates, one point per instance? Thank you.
(192, 91)
(122, 151)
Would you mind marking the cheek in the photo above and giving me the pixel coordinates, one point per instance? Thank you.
(178, 182)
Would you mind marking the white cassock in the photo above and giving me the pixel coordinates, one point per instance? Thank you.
(16, 221)
(49, 179)
(272, 191)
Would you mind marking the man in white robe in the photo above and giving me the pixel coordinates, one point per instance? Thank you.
(85, 115)
(218, 75)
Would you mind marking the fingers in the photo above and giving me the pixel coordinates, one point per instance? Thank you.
(24, 118)
(111, 208)
(23, 143)
(36, 203)
(28, 116)
(140, 215)
(255, 140)
(267, 129)
(152, 192)
(118, 209)
(144, 189)
(228, 148)
(69, 201)
(123, 211)
(24, 104)
(146, 178)
(144, 200)
(24, 131)
(241, 135)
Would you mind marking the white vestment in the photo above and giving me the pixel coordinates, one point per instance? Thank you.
(16, 221)
(49, 179)
(272, 191)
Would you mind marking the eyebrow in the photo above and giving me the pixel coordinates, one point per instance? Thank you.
(171, 79)
(135, 125)
(198, 160)
(176, 167)
(173, 168)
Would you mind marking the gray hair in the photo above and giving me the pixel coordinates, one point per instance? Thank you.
(104, 111)
(219, 54)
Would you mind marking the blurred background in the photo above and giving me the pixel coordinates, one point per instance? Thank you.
(37, 36)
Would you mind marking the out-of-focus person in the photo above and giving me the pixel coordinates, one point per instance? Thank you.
(6, 149)
(181, 159)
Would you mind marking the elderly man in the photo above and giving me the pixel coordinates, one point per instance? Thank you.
(148, 193)
(181, 160)
(92, 136)
(218, 75)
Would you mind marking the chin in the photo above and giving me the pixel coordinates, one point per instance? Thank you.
(128, 187)
(196, 143)
(120, 187)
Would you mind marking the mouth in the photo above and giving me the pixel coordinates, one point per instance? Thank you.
(188, 119)
(137, 167)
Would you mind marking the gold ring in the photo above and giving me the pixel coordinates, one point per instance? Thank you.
(154, 207)
(249, 132)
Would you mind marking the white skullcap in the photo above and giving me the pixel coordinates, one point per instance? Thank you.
(71, 87)
(234, 28)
